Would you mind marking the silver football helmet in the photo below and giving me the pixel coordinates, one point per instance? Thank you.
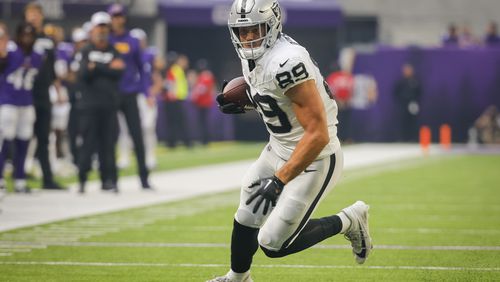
(265, 15)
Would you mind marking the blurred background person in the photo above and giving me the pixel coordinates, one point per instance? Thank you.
(407, 93)
(100, 71)
(175, 97)
(19, 67)
(341, 83)
(146, 101)
(59, 98)
(486, 129)
(58, 94)
(451, 38)
(131, 84)
(491, 38)
(4, 42)
(466, 38)
(202, 95)
(80, 39)
(33, 14)
(155, 91)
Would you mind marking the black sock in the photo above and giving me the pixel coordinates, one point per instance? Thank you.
(315, 231)
(243, 246)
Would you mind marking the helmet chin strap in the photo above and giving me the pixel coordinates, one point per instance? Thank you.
(251, 64)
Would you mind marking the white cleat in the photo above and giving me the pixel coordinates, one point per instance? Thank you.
(227, 278)
(359, 233)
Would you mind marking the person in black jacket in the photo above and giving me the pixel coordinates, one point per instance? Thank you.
(33, 14)
(80, 40)
(101, 68)
(407, 93)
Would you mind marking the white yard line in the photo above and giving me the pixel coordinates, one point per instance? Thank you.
(295, 266)
(12, 244)
(418, 248)
(441, 231)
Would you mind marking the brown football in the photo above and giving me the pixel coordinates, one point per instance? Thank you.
(236, 92)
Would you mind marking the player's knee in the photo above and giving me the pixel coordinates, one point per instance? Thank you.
(270, 244)
(269, 241)
(247, 218)
(272, 254)
(25, 133)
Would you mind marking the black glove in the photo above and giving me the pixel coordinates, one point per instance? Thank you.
(228, 107)
(269, 190)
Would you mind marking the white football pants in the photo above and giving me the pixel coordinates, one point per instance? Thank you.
(17, 122)
(299, 199)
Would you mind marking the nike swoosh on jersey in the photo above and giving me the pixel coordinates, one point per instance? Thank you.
(310, 170)
(281, 65)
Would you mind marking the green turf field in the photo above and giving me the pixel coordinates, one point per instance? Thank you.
(431, 220)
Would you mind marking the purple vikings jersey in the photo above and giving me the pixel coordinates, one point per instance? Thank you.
(64, 53)
(130, 50)
(148, 57)
(16, 81)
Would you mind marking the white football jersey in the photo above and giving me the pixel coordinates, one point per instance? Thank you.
(282, 67)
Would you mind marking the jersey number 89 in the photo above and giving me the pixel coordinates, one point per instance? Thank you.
(286, 78)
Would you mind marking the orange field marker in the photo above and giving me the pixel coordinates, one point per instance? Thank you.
(445, 136)
(425, 138)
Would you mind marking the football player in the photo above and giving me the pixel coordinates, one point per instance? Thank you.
(33, 14)
(148, 110)
(19, 68)
(130, 84)
(303, 159)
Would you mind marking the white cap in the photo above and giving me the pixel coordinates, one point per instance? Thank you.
(138, 33)
(100, 18)
(87, 26)
(78, 35)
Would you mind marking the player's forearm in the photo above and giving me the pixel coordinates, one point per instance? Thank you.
(307, 150)
(107, 70)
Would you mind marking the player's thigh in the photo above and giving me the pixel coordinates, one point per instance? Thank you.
(263, 167)
(8, 121)
(298, 201)
(25, 122)
(147, 113)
